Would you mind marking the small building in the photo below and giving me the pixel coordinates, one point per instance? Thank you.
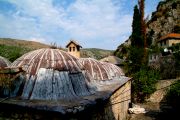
(169, 40)
(154, 60)
(74, 48)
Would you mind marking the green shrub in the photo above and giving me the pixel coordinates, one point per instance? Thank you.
(12, 52)
(177, 63)
(174, 5)
(135, 59)
(144, 84)
(173, 95)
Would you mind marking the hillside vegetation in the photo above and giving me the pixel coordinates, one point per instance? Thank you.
(95, 53)
(14, 48)
(22, 43)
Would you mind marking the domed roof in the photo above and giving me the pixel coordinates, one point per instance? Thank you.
(4, 62)
(47, 58)
(114, 70)
(52, 74)
(60, 82)
(101, 70)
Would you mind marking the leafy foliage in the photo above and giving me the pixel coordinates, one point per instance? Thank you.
(122, 51)
(137, 39)
(144, 78)
(149, 37)
(135, 59)
(95, 53)
(176, 29)
(173, 95)
(14, 48)
(176, 55)
(177, 63)
(144, 83)
(12, 52)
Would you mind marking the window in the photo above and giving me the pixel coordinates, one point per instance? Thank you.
(164, 42)
(78, 48)
(161, 43)
(70, 49)
(73, 48)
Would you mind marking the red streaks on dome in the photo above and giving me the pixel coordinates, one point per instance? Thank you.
(47, 58)
(101, 70)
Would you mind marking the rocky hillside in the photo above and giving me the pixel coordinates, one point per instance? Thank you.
(166, 19)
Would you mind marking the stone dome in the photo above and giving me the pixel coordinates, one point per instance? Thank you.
(101, 70)
(52, 74)
(113, 70)
(47, 58)
(53, 80)
(4, 62)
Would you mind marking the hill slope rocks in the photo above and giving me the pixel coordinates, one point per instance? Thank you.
(166, 19)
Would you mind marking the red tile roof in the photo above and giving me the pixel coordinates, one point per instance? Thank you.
(171, 35)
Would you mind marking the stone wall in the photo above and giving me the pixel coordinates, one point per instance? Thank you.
(120, 101)
(117, 106)
(174, 41)
(161, 89)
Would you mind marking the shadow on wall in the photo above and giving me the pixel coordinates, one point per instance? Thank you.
(103, 110)
(42, 95)
(11, 81)
(160, 108)
(114, 108)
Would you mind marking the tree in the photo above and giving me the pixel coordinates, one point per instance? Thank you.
(143, 28)
(136, 39)
(136, 50)
(144, 79)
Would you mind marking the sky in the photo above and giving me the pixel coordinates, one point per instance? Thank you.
(101, 24)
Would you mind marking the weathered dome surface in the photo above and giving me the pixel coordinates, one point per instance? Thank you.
(101, 70)
(57, 81)
(113, 70)
(4, 62)
(47, 58)
(52, 74)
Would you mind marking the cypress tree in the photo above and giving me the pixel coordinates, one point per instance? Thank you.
(143, 29)
(136, 38)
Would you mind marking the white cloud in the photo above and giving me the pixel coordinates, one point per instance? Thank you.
(87, 21)
(42, 40)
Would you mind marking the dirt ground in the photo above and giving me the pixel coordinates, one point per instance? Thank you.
(155, 111)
